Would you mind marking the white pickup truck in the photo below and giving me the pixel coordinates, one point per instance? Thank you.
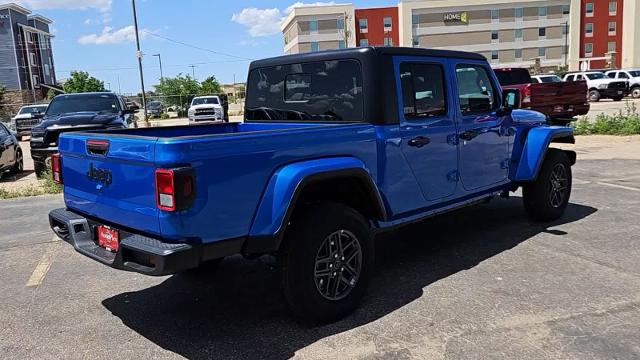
(600, 86)
(632, 76)
(205, 108)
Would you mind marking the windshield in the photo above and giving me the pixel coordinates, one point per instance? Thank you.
(33, 109)
(320, 91)
(205, 100)
(513, 77)
(155, 105)
(594, 76)
(550, 79)
(65, 104)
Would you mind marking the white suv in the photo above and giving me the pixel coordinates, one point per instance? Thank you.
(205, 108)
(600, 86)
(632, 76)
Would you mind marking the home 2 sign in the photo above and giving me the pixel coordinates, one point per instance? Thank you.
(461, 17)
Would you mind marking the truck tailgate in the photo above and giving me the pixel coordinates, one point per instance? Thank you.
(116, 185)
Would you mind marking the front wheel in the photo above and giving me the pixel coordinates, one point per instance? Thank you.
(547, 197)
(327, 260)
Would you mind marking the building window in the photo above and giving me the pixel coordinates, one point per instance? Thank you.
(542, 11)
(588, 49)
(542, 52)
(340, 24)
(314, 46)
(386, 22)
(613, 7)
(313, 26)
(565, 9)
(518, 53)
(494, 55)
(415, 41)
(495, 15)
(542, 33)
(415, 20)
(388, 41)
(518, 12)
(518, 34)
(588, 9)
(612, 28)
(364, 42)
(494, 36)
(363, 24)
(341, 44)
(588, 29)
(611, 46)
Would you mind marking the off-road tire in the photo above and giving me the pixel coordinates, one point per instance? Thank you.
(19, 165)
(542, 198)
(594, 95)
(307, 243)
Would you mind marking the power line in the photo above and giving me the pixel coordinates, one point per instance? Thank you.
(194, 46)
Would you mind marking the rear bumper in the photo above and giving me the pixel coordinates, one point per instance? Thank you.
(137, 253)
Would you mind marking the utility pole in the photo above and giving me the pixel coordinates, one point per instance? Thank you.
(193, 71)
(566, 42)
(139, 55)
(160, 61)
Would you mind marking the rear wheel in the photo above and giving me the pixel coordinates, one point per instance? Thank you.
(547, 197)
(327, 260)
(19, 165)
(594, 95)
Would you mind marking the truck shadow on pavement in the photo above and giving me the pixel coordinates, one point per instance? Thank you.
(239, 312)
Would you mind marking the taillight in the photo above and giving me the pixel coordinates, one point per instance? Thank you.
(175, 188)
(526, 93)
(56, 168)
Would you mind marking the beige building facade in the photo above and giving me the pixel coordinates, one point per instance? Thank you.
(508, 33)
(314, 28)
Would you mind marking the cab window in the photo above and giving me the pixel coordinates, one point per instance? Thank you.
(423, 90)
(476, 92)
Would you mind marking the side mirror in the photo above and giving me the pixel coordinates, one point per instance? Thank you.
(511, 99)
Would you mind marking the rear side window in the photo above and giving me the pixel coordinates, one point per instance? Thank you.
(423, 90)
(324, 91)
(513, 77)
(475, 90)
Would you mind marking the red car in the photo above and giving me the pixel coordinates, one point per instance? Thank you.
(560, 101)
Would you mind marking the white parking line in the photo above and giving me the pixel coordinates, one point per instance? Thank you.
(618, 186)
(45, 263)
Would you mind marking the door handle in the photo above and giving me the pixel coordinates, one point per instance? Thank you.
(419, 141)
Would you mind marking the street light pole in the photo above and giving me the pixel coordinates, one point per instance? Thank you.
(160, 62)
(139, 55)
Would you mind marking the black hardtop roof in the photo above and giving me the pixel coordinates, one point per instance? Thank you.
(361, 53)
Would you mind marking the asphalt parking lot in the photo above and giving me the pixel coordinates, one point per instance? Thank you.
(481, 283)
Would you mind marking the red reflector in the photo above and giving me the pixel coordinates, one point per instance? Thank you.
(56, 168)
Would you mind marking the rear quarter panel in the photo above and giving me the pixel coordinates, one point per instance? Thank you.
(232, 173)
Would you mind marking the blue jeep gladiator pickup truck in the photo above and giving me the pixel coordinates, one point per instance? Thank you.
(336, 147)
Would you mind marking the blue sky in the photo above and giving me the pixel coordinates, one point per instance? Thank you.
(97, 36)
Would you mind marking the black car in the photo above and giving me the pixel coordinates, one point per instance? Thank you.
(11, 158)
(76, 112)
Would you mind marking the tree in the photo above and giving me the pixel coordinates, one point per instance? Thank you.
(81, 81)
(178, 90)
(210, 85)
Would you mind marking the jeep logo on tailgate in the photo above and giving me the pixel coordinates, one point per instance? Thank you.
(99, 175)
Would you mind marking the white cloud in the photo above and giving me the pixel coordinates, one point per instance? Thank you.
(263, 22)
(259, 22)
(110, 35)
